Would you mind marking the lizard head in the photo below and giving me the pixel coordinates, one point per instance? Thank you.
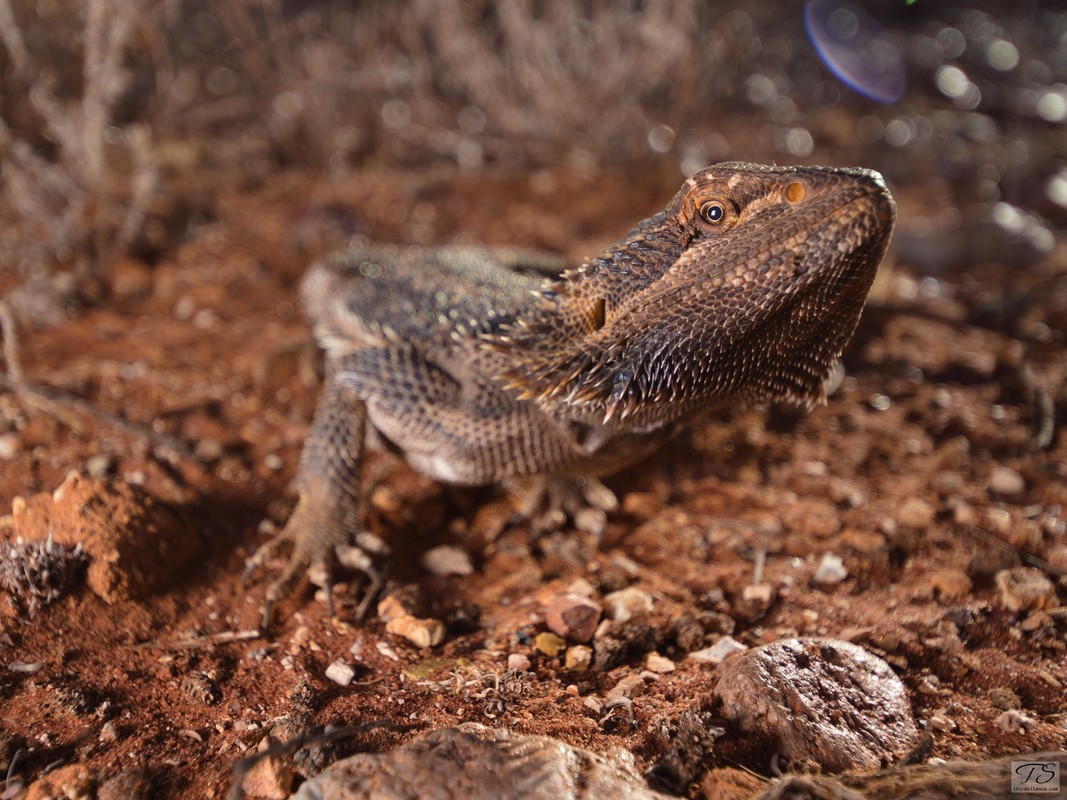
(745, 288)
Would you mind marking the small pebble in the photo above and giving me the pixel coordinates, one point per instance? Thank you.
(517, 662)
(98, 466)
(446, 559)
(132, 784)
(998, 520)
(108, 733)
(340, 673)
(659, 664)
(1006, 482)
(1004, 699)
(209, 450)
(628, 603)
(718, 652)
(964, 515)
(756, 599)
(550, 644)
(942, 723)
(950, 584)
(578, 658)
(1025, 589)
(269, 778)
(9, 445)
(1014, 721)
(631, 686)
(573, 617)
(389, 607)
(830, 572)
(420, 632)
(915, 513)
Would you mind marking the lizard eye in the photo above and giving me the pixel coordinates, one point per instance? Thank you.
(713, 212)
(795, 192)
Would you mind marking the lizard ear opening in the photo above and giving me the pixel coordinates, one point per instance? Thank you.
(599, 315)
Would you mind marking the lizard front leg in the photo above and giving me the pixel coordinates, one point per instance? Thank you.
(326, 516)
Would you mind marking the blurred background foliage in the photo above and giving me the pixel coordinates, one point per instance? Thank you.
(117, 117)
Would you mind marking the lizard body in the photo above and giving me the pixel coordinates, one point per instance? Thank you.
(744, 289)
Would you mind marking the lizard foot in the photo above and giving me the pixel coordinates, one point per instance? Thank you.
(315, 552)
(547, 502)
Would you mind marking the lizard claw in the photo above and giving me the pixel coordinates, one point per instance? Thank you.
(316, 552)
(549, 501)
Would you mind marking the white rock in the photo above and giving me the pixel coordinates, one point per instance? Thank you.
(446, 559)
(830, 572)
(626, 604)
(718, 652)
(340, 672)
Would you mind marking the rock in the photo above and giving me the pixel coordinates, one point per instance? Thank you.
(1014, 721)
(820, 701)
(688, 632)
(420, 632)
(865, 543)
(659, 664)
(472, 762)
(830, 571)
(447, 560)
(9, 446)
(1025, 589)
(915, 513)
(727, 783)
(625, 604)
(1004, 699)
(1006, 482)
(818, 518)
(573, 617)
(390, 607)
(131, 785)
(631, 686)
(616, 642)
(718, 652)
(578, 658)
(100, 465)
(950, 584)
(942, 723)
(135, 543)
(517, 662)
(550, 644)
(998, 520)
(340, 673)
(269, 778)
(73, 782)
(755, 601)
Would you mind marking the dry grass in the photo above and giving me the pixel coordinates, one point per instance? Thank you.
(87, 143)
(71, 169)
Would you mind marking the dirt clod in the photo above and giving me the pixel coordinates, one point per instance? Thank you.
(135, 544)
